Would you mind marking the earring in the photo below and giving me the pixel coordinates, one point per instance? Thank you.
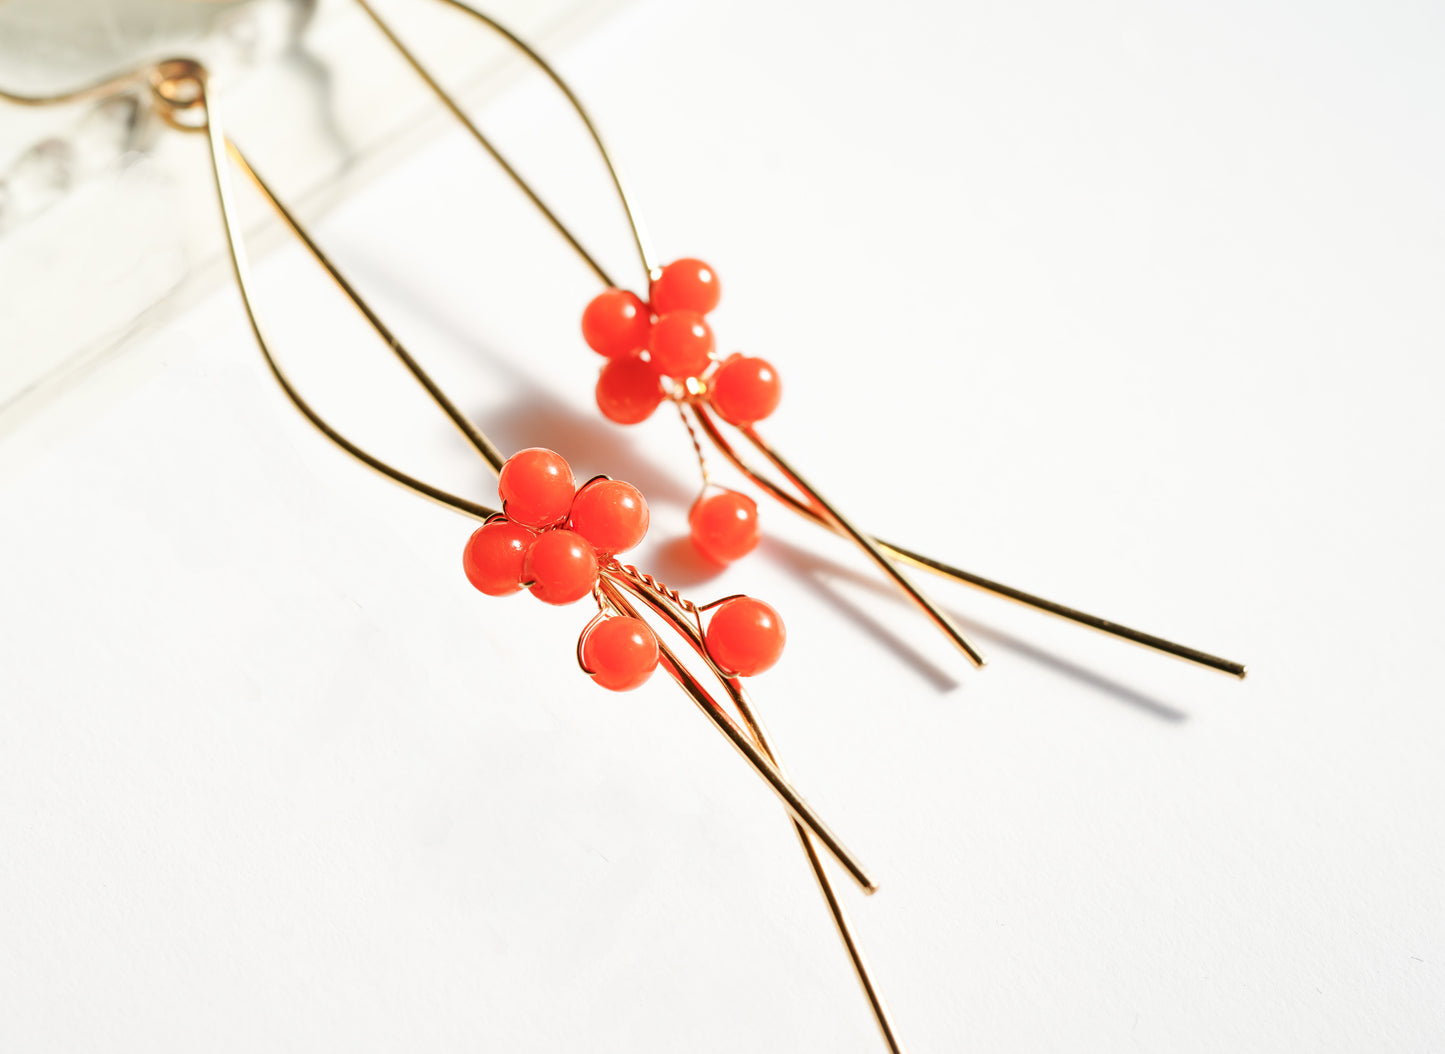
(558, 541)
(662, 348)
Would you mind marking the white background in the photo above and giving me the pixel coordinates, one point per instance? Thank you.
(1138, 307)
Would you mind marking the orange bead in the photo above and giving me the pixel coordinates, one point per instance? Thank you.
(610, 514)
(562, 567)
(536, 487)
(494, 555)
(745, 636)
(616, 323)
(681, 344)
(744, 390)
(685, 285)
(628, 390)
(621, 652)
(724, 525)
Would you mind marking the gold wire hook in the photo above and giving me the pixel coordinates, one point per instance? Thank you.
(815, 507)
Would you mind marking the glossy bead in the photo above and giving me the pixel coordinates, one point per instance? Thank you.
(536, 487)
(744, 390)
(745, 636)
(616, 323)
(610, 514)
(494, 555)
(562, 567)
(724, 525)
(685, 285)
(621, 653)
(681, 344)
(628, 390)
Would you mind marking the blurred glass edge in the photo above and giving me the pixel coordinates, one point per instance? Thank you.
(108, 220)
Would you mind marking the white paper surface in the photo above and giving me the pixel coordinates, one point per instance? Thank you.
(1138, 310)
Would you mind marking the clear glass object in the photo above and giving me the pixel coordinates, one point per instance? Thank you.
(108, 221)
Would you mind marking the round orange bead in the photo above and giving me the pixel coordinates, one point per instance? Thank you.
(744, 390)
(621, 652)
(685, 285)
(745, 636)
(628, 390)
(610, 514)
(615, 323)
(724, 525)
(681, 344)
(494, 555)
(562, 567)
(536, 487)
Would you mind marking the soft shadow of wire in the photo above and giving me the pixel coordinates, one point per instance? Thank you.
(817, 570)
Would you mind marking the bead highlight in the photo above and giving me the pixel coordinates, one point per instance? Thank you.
(536, 487)
(494, 555)
(562, 567)
(745, 636)
(681, 344)
(628, 389)
(610, 514)
(620, 653)
(685, 285)
(724, 525)
(616, 323)
(745, 390)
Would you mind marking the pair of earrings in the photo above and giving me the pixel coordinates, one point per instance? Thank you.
(563, 542)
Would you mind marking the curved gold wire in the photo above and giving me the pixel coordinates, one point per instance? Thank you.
(816, 508)
(634, 220)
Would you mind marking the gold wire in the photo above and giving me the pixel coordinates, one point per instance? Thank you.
(181, 86)
(740, 700)
(821, 511)
(634, 220)
(1133, 636)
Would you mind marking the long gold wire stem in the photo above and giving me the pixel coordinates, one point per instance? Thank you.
(613, 590)
(898, 552)
(473, 434)
(216, 140)
(1146, 640)
(639, 234)
(841, 922)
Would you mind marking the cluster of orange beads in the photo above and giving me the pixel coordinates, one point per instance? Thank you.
(663, 346)
(555, 540)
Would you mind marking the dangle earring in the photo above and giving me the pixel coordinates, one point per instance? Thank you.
(558, 541)
(661, 347)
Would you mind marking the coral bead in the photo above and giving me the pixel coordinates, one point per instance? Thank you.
(610, 514)
(681, 344)
(536, 487)
(616, 323)
(628, 390)
(685, 285)
(621, 653)
(745, 390)
(562, 567)
(745, 636)
(494, 555)
(724, 525)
